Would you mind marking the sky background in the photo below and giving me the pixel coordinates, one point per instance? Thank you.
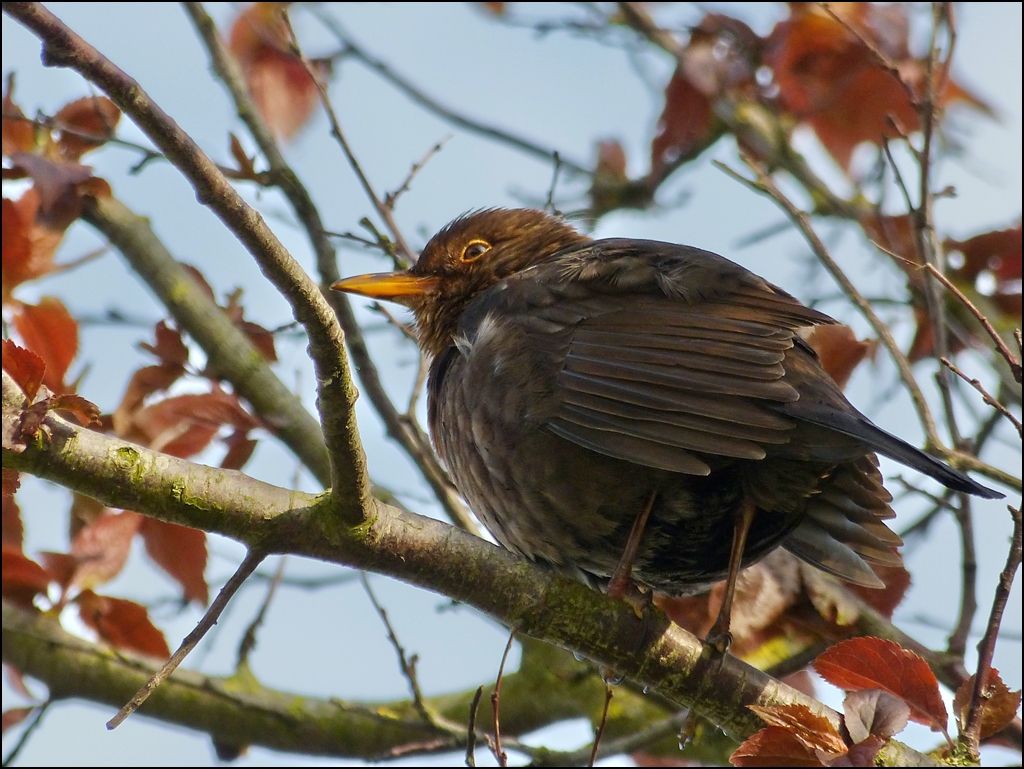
(563, 91)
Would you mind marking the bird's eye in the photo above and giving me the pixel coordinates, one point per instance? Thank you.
(474, 250)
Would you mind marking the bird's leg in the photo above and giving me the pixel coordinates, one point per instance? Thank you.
(621, 584)
(719, 636)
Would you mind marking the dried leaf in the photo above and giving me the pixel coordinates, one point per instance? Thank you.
(774, 746)
(25, 367)
(22, 578)
(873, 712)
(840, 351)
(93, 116)
(102, 548)
(999, 704)
(15, 716)
(814, 731)
(13, 529)
(18, 133)
(48, 330)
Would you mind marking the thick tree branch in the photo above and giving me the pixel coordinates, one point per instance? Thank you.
(336, 395)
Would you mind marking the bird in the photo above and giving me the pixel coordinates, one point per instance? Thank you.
(644, 415)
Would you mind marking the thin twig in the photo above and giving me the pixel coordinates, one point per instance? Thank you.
(1013, 361)
(248, 642)
(957, 643)
(432, 105)
(991, 401)
(471, 728)
(252, 559)
(499, 754)
(608, 693)
(37, 718)
(383, 211)
(987, 645)
(549, 205)
(390, 198)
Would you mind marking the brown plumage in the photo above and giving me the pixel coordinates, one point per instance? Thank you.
(579, 384)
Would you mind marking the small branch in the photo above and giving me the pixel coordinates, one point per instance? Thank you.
(499, 754)
(248, 642)
(987, 645)
(957, 643)
(990, 400)
(390, 198)
(608, 694)
(37, 718)
(471, 727)
(252, 559)
(1012, 361)
(432, 105)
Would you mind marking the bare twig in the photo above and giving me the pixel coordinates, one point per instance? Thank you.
(499, 754)
(989, 399)
(1013, 361)
(432, 105)
(37, 718)
(987, 645)
(390, 198)
(248, 642)
(471, 728)
(549, 205)
(252, 559)
(957, 643)
(608, 693)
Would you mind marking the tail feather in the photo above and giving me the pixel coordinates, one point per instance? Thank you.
(859, 427)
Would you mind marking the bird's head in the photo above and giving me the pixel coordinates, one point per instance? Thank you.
(468, 256)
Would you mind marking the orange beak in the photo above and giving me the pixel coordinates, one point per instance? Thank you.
(396, 286)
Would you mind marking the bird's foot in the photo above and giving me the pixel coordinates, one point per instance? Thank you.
(629, 592)
(719, 640)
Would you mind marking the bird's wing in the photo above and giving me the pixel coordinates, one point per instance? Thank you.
(662, 355)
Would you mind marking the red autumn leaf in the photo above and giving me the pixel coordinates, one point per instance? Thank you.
(17, 682)
(872, 712)
(240, 448)
(181, 552)
(93, 116)
(997, 254)
(13, 529)
(169, 347)
(22, 578)
(873, 663)
(18, 133)
(144, 382)
(999, 704)
(497, 9)
(840, 351)
(14, 716)
(774, 746)
(184, 425)
(281, 87)
(26, 368)
(121, 623)
(827, 76)
(11, 481)
(685, 124)
(814, 731)
(102, 548)
(28, 245)
(48, 330)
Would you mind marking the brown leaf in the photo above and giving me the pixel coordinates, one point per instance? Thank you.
(873, 712)
(48, 330)
(144, 382)
(873, 663)
(57, 183)
(999, 704)
(240, 448)
(774, 746)
(102, 548)
(184, 425)
(22, 578)
(840, 351)
(181, 552)
(84, 411)
(123, 624)
(25, 367)
(685, 124)
(814, 731)
(93, 116)
(885, 601)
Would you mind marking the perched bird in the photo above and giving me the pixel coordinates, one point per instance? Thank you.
(641, 411)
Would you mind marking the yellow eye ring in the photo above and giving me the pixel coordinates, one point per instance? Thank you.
(474, 250)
